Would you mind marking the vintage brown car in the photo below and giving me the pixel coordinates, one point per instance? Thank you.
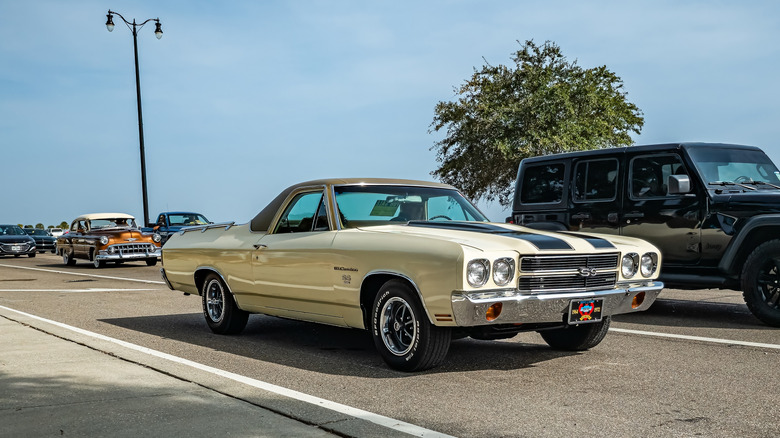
(107, 237)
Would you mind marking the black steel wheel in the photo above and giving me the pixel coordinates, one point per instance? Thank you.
(577, 337)
(761, 282)
(405, 338)
(222, 314)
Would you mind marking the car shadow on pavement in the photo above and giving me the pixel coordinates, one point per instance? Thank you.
(689, 313)
(329, 349)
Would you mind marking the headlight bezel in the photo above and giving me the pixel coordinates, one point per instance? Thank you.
(503, 264)
(474, 266)
(648, 259)
(156, 238)
(104, 240)
(629, 265)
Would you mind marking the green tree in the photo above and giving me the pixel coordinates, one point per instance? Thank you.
(543, 105)
(39, 226)
(64, 225)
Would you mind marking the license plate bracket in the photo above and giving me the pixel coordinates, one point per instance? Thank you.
(585, 311)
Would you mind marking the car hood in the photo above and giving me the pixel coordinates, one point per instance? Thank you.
(15, 239)
(487, 236)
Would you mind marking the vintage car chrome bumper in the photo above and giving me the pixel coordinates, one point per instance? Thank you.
(470, 307)
(128, 254)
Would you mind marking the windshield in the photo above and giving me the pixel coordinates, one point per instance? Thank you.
(11, 230)
(182, 219)
(36, 232)
(382, 205)
(97, 224)
(734, 165)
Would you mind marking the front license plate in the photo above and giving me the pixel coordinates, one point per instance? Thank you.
(585, 311)
(16, 248)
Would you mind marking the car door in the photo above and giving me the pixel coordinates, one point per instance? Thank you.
(292, 266)
(670, 221)
(595, 204)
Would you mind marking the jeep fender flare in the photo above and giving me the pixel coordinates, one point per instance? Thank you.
(755, 231)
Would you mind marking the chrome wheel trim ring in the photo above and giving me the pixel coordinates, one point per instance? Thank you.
(398, 326)
(215, 300)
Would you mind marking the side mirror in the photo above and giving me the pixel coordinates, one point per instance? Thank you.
(679, 184)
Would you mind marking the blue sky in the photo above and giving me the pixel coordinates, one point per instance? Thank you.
(244, 98)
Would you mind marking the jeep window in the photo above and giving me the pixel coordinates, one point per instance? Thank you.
(595, 180)
(649, 175)
(734, 165)
(542, 184)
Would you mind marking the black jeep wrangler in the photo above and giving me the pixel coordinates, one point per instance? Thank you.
(712, 209)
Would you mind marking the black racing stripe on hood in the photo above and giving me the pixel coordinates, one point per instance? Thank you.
(540, 241)
(597, 242)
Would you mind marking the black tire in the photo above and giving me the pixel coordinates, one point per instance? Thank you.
(577, 337)
(222, 314)
(67, 258)
(405, 338)
(761, 282)
(97, 263)
(151, 262)
(31, 255)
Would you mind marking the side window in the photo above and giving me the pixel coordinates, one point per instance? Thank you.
(542, 184)
(649, 175)
(595, 180)
(300, 215)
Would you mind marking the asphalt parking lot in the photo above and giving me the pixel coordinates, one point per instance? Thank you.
(696, 364)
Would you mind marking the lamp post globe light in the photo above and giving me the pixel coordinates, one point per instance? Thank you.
(134, 27)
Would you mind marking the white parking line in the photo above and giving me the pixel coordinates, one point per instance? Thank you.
(70, 291)
(83, 275)
(381, 420)
(696, 338)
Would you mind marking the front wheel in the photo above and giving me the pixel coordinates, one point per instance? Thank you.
(222, 314)
(67, 258)
(761, 282)
(405, 338)
(577, 337)
(151, 262)
(32, 254)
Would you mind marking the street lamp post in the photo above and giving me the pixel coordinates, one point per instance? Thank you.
(158, 33)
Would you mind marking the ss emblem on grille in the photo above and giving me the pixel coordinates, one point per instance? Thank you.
(586, 272)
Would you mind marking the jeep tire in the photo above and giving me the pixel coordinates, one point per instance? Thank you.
(761, 282)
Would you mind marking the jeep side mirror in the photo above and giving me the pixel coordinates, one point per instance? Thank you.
(679, 184)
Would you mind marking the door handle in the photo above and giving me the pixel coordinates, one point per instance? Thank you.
(633, 215)
(260, 246)
(584, 216)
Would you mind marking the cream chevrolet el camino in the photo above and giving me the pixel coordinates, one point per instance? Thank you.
(413, 262)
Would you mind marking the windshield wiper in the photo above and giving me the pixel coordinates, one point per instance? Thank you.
(764, 183)
(730, 183)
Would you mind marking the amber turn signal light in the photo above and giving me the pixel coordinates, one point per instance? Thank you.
(493, 311)
(638, 300)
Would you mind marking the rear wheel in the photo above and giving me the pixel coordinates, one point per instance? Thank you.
(577, 337)
(222, 314)
(405, 338)
(761, 282)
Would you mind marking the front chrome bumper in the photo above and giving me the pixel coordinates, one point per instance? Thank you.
(469, 307)
(103, 255)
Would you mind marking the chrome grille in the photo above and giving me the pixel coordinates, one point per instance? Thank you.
(568, 263)
(567, 282)
(6, 247)
(131, 248)
(540, 274)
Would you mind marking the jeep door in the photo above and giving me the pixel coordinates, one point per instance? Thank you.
(670, 221)
(595, 204)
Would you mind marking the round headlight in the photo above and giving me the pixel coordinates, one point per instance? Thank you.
(649, 264)
(629, 264)
(503, 271)
(477, 272)
(157, 238)
(104, 240)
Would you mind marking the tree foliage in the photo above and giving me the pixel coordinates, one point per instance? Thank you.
(544, 105)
